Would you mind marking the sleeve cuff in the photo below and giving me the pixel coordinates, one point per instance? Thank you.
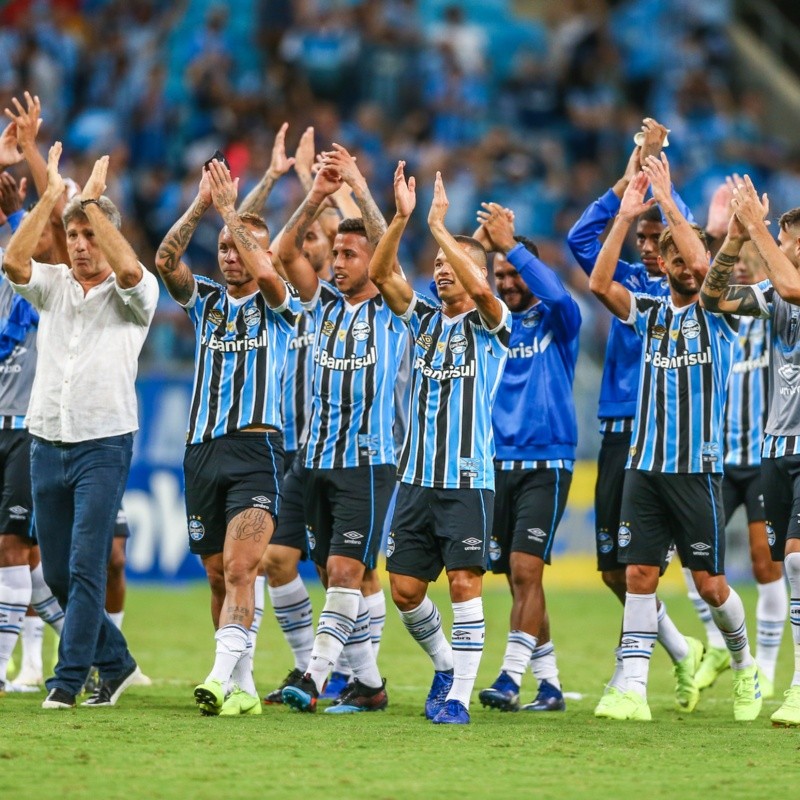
(285, 304)
(409, 312)
(632, 313)
(312, 303)
(501, 324)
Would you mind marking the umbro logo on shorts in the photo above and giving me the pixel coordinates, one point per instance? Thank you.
(700, 548)
(537, 534)
(18, 512)
(472, 543)
(261, 502)
(354, 537)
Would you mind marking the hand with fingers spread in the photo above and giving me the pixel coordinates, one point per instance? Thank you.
(405, 195)
(747, 207)
(224, 189)
(657, 170)
(280, 164)
(9, 151)
(340, 159)
(499, 224)
(654, 135)
(11, 194)
(327, 181)
(633, 203)
(96, 184)
(440, 204)
(28, 119)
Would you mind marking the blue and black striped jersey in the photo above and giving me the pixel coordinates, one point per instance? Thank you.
(296, 384)
(686, 362)
(240, 353)
(456, 368)
(357, 352)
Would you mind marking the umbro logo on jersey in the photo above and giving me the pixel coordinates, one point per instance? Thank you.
(353, 537)
(701, 548)
(657, 332)
(425, 340)
(472, 543)
(327, 328)
(215, 316)
(790, 373)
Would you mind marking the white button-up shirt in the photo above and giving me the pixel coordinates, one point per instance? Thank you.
(89, 349)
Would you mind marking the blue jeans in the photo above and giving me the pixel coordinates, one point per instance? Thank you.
(77, 489)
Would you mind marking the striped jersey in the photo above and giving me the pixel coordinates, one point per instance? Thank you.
(296, 382)
(240, 352)
(456, 368)
(686, 361)
(357, 352)
(746, 404)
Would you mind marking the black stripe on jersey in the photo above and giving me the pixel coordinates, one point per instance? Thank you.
(707, 377)
(369, 372)
(204, 291)
(348, 377)
(745, 423)
(659, 412)
(300, 378)
(239, 370)
(329, 318)
(444, 423)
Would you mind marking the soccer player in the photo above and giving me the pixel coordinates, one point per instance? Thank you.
(672, 489)
(745, 417)
(535, 433)
(779, 302)
(349, 453)
(234, 456)
(443, 516)
(618, 399)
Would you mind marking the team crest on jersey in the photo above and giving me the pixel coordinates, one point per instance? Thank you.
(605, 544)
(495, 551)
(327, 328)
(425, 340)
(390, 544)
(312, 541)
(623, 535)
(252, 317)
(531, 320)
(657, 332)
(196, 529)
(361, 331)
(458, 343)
(690, 329)
(215, 316)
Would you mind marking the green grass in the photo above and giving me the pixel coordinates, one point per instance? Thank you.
(154, 744)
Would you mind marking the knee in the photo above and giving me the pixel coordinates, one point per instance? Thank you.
(766, 570)
(641, 579)
(371, 583)
(713, 589)
(526, 573)
(615, 580)
(407, 597)
(464, 585)
(240, 572)
(346, 573)
(279, 571)
(14, 551)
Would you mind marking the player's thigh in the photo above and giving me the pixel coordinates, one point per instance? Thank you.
(608, 498)
(16, 500)
(412, 549)
(644, 536)
(462, 521)
(205, 498)
(780, 481)
(290, 531)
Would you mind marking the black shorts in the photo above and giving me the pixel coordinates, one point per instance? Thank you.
(528, 505)
(226, 476)
(291, 528)
(345, 510)
(781, 482)
(121, 529)
(661, 508)
(435, 529)
(15, 468)
(743, 486)
(611, 461)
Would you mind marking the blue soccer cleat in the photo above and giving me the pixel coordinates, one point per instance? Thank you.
(336, 685)
(453, 712)
(548, 699)
(502, 694)
(442, 681)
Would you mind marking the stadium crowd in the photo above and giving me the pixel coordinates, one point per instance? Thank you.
(331, 373)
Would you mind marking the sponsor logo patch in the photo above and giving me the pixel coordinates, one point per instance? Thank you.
(353, 537)
(261, 502)
(536, 534)
(472, 543)
(657, 332)
(469, 467)
(701, 549)
(710, 452)
(215, 316)
(327, 328)
(425, 340)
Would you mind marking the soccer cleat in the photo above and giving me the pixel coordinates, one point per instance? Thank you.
(715, 661)
(337, 683)
(59, 698)
(11, 665)
(140, 679)
(209, 697)
(274, 697)
(624, 706)
(110, 691)
(12, 687)
(440, 688)
(453, 712)
(767, 686)
(788, 715)
(687, 694)
(358, 697)
(2, 688)
(608, 699)
(240, 703)
(502, 694)
(549, 698)
(301, 694)
(746, 694)
(28, 676)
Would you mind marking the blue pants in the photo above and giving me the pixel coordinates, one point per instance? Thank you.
(77, 489)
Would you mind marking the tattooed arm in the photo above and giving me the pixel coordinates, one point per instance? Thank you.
(279, 165)
(715, 293)
(174, 272)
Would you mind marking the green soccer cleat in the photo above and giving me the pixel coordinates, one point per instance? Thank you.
(715, 661)
(788, 715)
(686, 692)
(767, 686)
(240, 704)
(624, 706)
(608, 699)
(209, 697)
(746, 694)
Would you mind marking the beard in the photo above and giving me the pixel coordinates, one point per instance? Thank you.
(681, 288)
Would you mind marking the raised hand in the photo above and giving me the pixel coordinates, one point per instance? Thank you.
(633, 203)
(746, 205)
(224, 189)
(327, 180)
(11, 195)
(653, 140)
(96, 184)
(28, 120)
(9, 152)
(204, 188)
(280, 164)
(440, 203)
(55, 183)
(657, 170)
(344, 164)
(405, 195)
(499, 225)
(719, 209)
(304, 155)
(634, 165)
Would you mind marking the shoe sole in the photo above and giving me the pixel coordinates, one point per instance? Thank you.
(272, 701)
(50, 704)
(112, 701)
(207, 701)
(500, 703)
(352, 709)
(252, 711)
(776, 723)
(298, 699)
(450, 721)
(543, 709)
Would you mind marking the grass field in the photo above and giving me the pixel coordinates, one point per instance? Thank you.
(154, 744)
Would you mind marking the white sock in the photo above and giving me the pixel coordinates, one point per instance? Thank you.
(618, 678)
(342, 665)
(672, 640)
(792, 566)
(231, 644)
(544, 666)
(43, 602)
(771, 610)
(376, 603)
(242, 674)
(425, 626)
(520, 647)
(359, 651)
(32, 639)
(639, 634)
(258, 613)
(292, 607)
(15, 595)
(713, 636)
(116, 618)
(335, 625)
(469, 631)
(730, 621)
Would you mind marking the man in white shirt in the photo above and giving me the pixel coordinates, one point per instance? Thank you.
(94, 317)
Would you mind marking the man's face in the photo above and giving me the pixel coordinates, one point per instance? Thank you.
(647, 234)
(448, 286)
(351, 255)
(678, 274)
(228, 256)
(85, 255)
(789, 242)
(748, 268)
(317, 248)
(513, 291)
